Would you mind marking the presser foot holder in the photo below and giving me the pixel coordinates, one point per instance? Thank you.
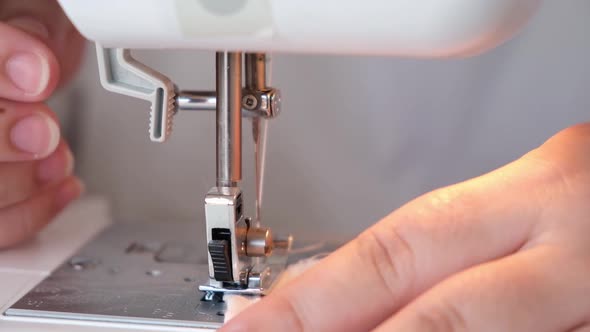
(259, 279)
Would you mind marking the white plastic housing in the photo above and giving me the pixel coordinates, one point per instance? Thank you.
(418, 28)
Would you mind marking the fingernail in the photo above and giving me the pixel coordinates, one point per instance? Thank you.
(68, 192)
(37, 134)
(30, 25)
(55, 167)
(28, 72)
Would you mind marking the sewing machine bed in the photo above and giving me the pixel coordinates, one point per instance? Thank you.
(137, 274)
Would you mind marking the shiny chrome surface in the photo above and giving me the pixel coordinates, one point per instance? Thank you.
(255, 70)
(137, 273)
(229, 118)
(267, 107)
(223, 210)
(259, 242)
(197, 100)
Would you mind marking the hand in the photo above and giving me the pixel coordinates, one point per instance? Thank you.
(38, 45)
(507, 251)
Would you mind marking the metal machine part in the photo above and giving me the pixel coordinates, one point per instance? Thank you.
(229, 118)
(197, 100)
(226, 230)
(259, 242)
(133, 273)
(123, 74)
(267, 102)
(237, 247)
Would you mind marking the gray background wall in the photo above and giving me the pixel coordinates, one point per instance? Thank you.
(358, 137)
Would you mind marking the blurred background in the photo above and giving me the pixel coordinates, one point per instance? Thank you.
(358, 136)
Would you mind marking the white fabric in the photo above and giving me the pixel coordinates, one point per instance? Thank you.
(237, 303)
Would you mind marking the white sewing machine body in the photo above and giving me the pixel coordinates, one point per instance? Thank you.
(429, 28)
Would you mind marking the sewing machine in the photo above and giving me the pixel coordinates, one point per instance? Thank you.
(173, 276)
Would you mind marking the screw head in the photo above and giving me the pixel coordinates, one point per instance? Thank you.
(275, 102)
(259, 242)
(249, 102)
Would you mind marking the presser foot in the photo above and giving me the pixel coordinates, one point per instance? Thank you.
(257, 280)
(243, 257)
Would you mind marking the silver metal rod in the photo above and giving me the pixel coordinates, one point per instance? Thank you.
(197, 101)
(206, 101)
(229, 118)
(255, 71)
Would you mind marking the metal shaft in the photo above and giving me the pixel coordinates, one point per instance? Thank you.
(197, 101)
(255, 71)
(229, 118)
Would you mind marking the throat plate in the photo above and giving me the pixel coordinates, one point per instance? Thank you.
(131, 273)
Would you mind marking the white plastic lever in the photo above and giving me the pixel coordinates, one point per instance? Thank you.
(121, 73)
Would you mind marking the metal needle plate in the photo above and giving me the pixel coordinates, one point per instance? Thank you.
(131, 273)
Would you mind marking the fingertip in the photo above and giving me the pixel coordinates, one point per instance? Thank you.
(70, 190)
(57, 166)
(37, 134)
(273, 313)
(30, 25)
(30, 71)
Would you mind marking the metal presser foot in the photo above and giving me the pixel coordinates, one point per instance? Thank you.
(243, 257)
